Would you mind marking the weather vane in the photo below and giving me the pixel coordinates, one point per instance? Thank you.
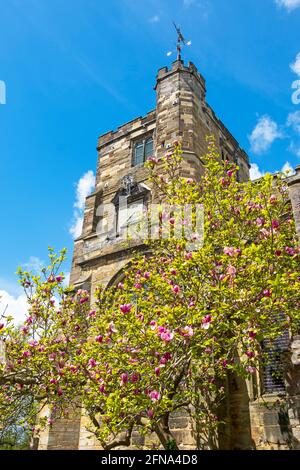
(180, 42)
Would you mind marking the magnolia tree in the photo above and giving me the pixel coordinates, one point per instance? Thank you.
(179, 321)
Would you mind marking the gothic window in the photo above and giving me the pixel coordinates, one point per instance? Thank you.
(143, 149)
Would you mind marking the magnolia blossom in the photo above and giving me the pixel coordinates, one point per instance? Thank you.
(188, 255)
(229, 250)
(206, 322)
(187, 331)
(123, 379)
(275, 224)
(150, 414)
(260, 221)
(176, 289)
(125, 308)
(154, 395)
(153, 325)
(92, 362)
(231, 270)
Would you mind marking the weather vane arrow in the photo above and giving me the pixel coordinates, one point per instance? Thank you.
(180, 42)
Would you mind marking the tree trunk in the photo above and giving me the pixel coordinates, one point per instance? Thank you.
(164, 434)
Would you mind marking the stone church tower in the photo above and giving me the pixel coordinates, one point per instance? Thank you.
(181, 112)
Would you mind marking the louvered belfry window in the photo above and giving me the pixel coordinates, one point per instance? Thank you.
(143, 149)
(273, 370)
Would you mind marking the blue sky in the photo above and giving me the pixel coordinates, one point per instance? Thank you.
(75, 69)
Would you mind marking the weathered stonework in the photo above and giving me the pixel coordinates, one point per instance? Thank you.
(181, 112)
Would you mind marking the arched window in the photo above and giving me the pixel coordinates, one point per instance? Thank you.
(143, 149)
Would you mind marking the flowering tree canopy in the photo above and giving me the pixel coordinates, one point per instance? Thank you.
(177, 324)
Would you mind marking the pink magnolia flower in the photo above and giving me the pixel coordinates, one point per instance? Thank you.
(188, 255)
(275, 224)
(135, 377)
(231, 270)
(250, 354)
(120, 285)
(167, 356)
(176, 289)
(84, 299)
(167, 336)
(157, 371)
(260, 221)
(53, 381)
(223, 182)
(150, 414)
(250, 369)
(267, 292)
(264, 233)
(187, 331)
(191, 304)
(206, 322)
(29, 321)
(1, 326)
(59, 278)
(26, 353)
(229, 250)
(154, 395)
(138, 285)
(190, 181)
(153, 324)
(251, 334)
(124, 378)
(92, 362)
(278, 252)
(173, 272)
(102, 388)
(273, 199)
(147, 275)
(59, 392)
(290, 251)
(125, 308)
(99, 338)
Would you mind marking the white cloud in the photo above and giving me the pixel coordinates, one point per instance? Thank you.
(264, 134)
(255, 172)
(154, 19)
(288, 169)
(34, 264)
(83, 188)
(293, 121)
(294, 148)
(295, 67)
(288, 4)
(14, 305)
